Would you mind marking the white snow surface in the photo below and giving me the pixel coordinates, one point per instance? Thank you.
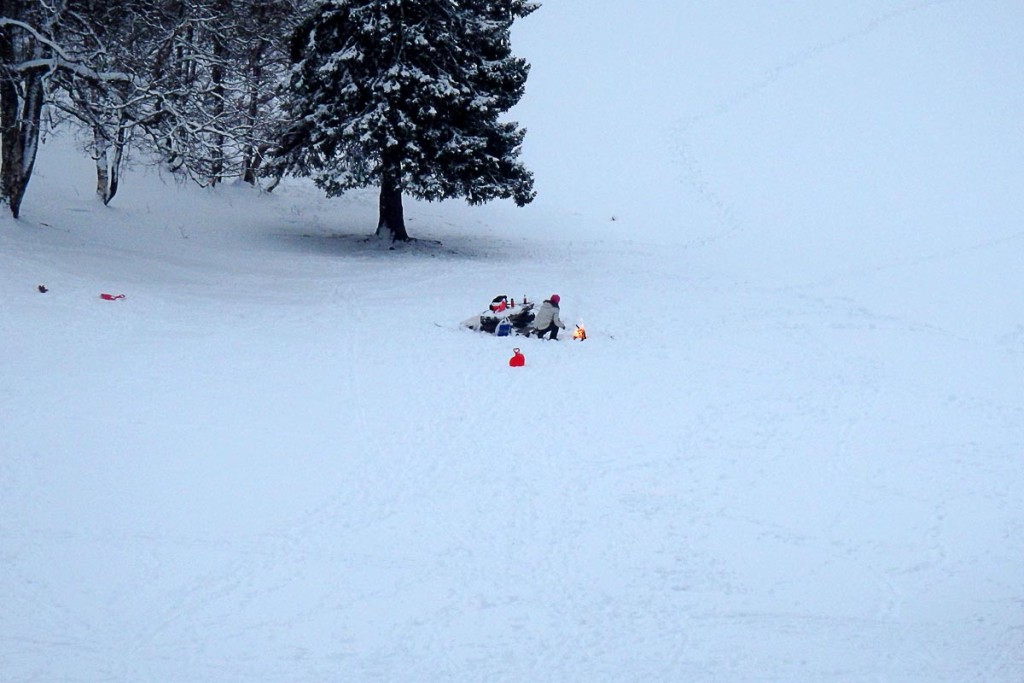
(790, 450)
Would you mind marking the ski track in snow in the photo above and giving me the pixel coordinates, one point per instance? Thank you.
(691, 170)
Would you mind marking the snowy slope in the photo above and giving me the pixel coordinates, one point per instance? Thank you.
(790, 450)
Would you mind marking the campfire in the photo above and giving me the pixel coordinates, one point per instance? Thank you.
(580, 333)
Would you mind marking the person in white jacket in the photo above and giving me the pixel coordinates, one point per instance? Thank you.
(547, 319)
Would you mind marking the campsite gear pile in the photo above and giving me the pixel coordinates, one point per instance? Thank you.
(503, 317)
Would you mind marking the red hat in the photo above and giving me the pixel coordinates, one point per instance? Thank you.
(555, 298)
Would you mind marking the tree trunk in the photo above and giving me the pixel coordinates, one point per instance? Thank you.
(253, 161)
(8, 133)
(217, 79)
(252, 155)
(120, 140)
(108, 162)
(31, 124)
(101, 151)
(391, 223)
(8, 121)
(19, 127)
(250, 164)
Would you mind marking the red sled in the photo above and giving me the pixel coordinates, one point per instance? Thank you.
(111, 297)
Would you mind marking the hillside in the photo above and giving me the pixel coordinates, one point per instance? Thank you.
(788, 451)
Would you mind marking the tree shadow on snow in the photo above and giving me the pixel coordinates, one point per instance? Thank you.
(362, 245)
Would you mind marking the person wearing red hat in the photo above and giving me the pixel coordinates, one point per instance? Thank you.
(547, 319)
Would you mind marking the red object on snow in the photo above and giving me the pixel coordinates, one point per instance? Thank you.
(518, 360)
(499, 303)
(111, 297)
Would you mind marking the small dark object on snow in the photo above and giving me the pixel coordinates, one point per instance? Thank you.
(42, 289)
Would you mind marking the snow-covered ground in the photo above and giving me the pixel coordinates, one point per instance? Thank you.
(790, 450)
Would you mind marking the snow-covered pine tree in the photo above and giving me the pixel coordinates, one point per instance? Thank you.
(407, 95)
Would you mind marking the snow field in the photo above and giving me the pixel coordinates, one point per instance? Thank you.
(789, 450)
